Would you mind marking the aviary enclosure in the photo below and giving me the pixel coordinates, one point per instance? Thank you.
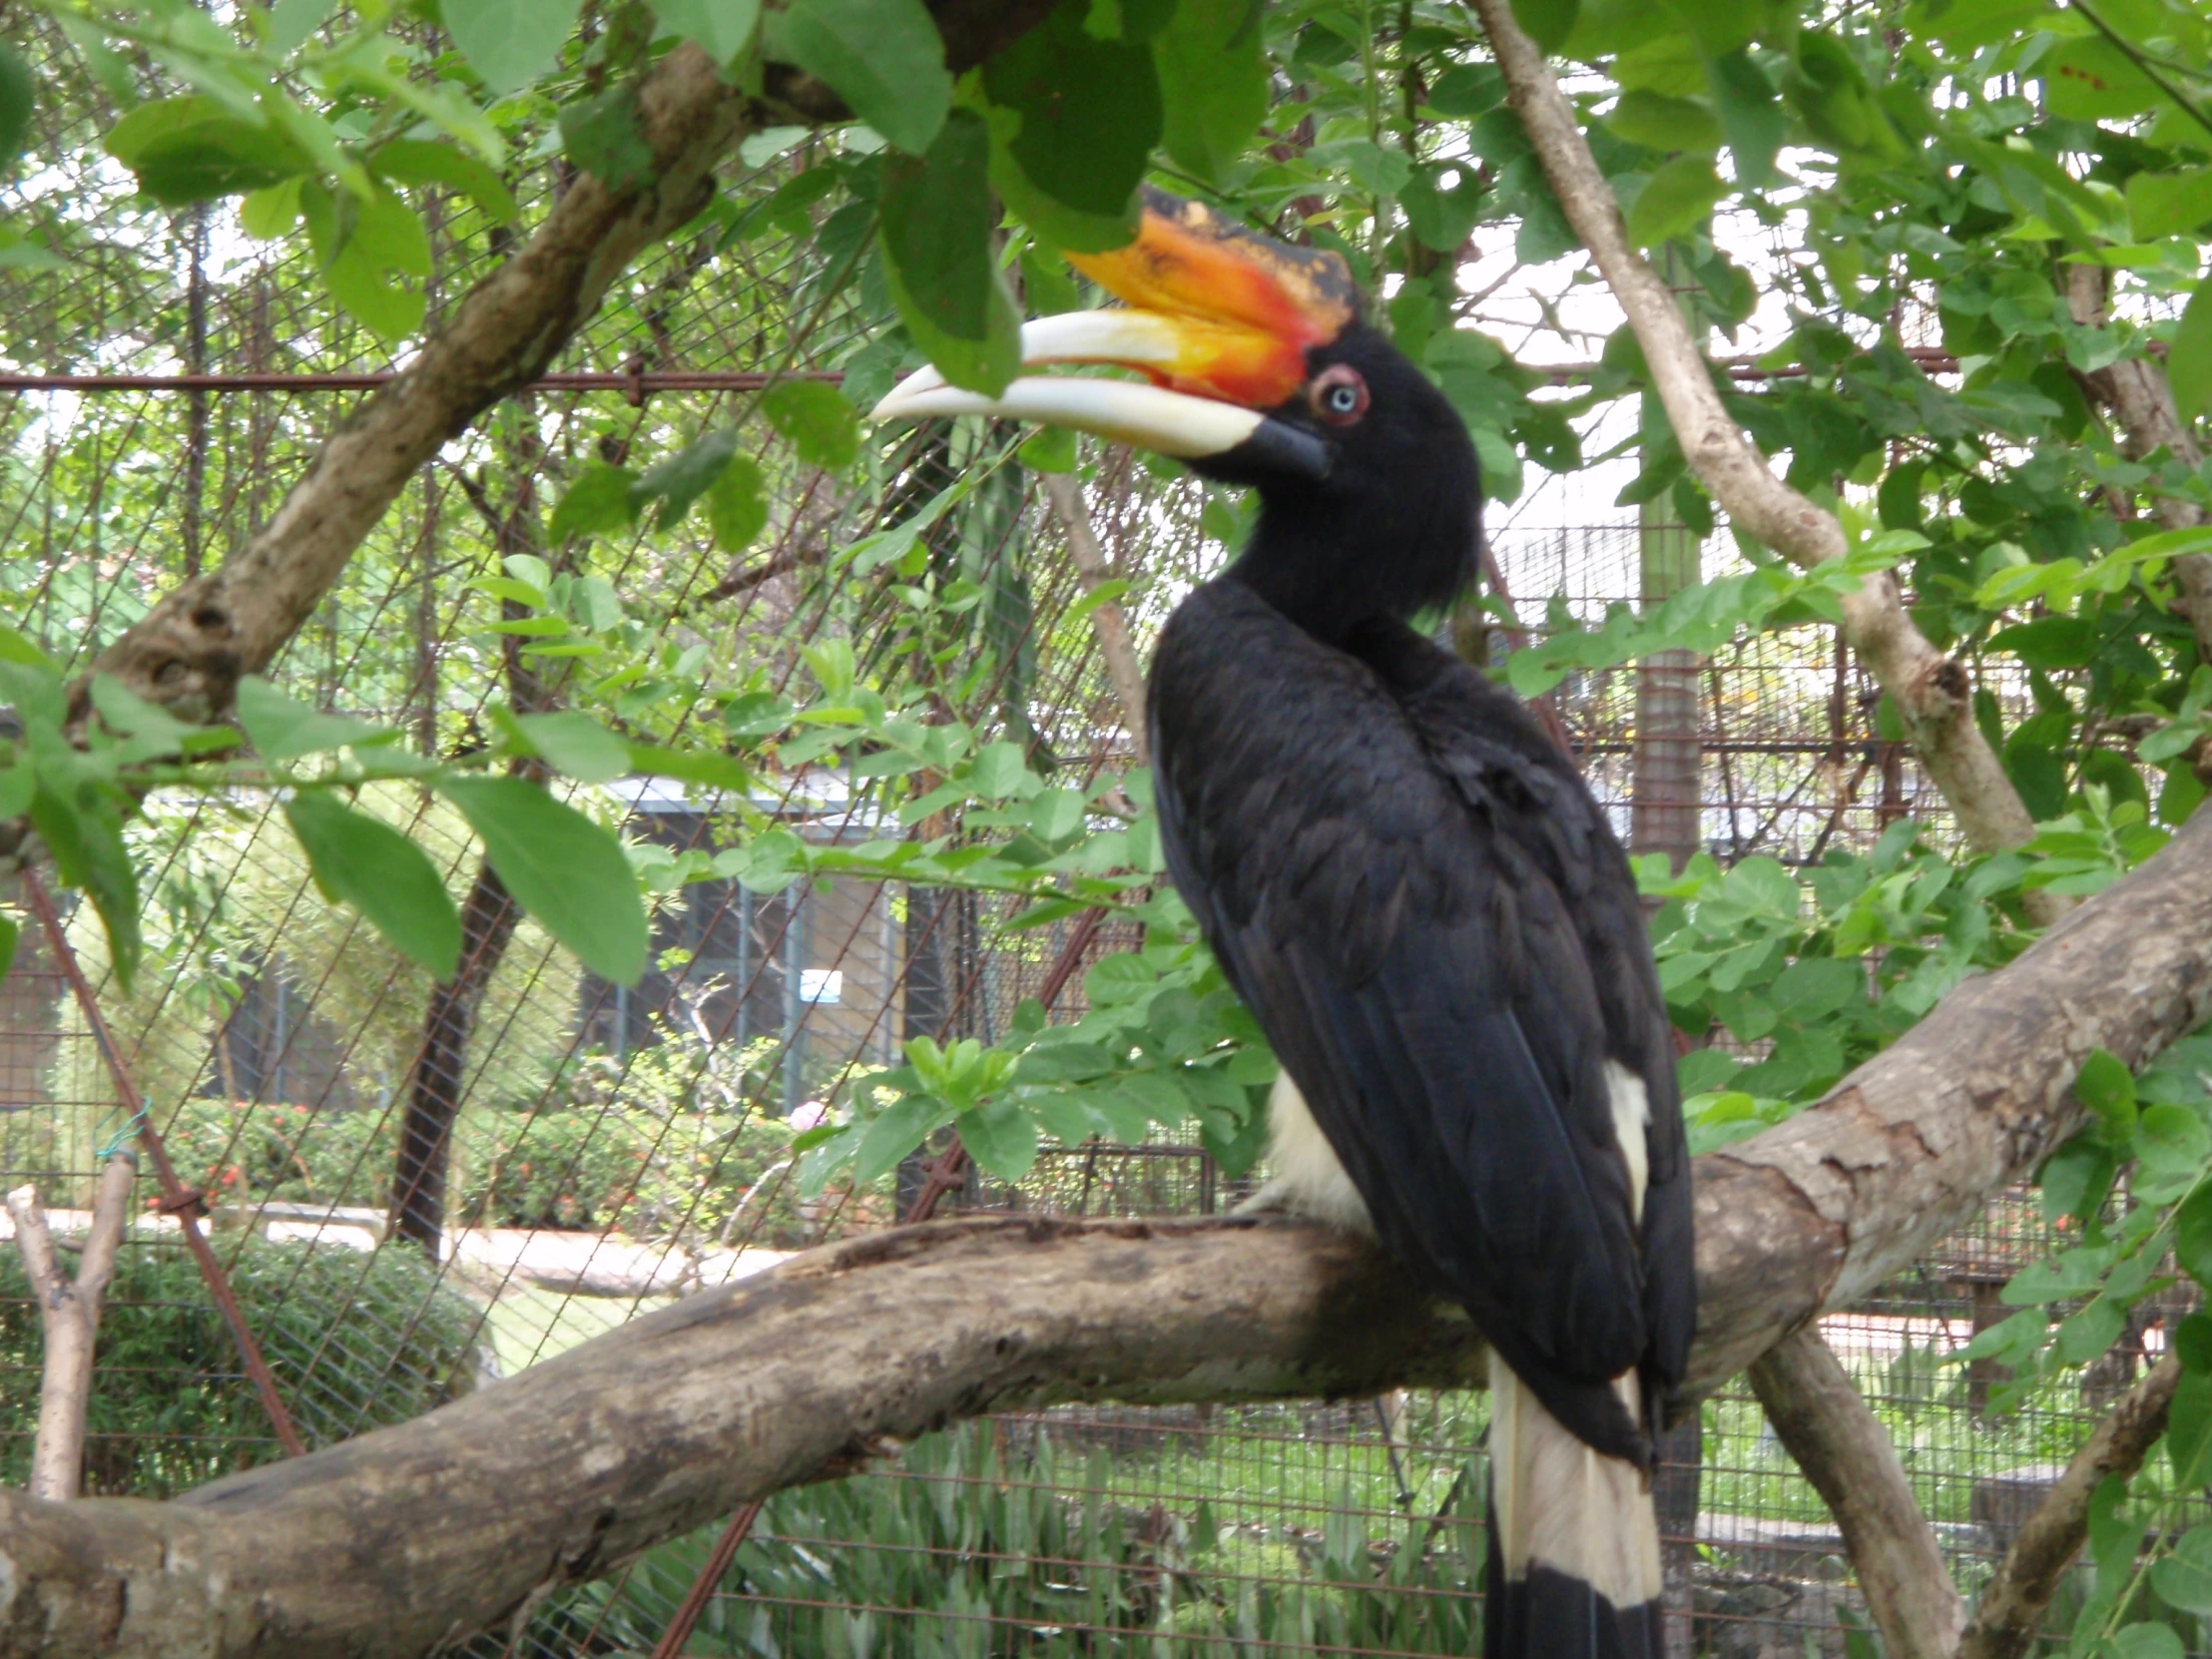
(413, 1187)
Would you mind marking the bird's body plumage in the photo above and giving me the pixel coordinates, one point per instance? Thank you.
(1407, 883)
(1410, 887)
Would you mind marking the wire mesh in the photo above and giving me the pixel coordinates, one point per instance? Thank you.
(617, 1146)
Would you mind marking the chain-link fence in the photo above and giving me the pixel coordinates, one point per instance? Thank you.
(614, 1146)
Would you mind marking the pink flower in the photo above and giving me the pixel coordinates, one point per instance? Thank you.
(810, 1115)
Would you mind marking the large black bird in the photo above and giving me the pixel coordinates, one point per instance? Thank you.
(1408, 884)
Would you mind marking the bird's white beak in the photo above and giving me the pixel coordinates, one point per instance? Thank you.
(1219, 324)
(1125, 411)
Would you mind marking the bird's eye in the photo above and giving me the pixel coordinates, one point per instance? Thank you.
(1338, 395)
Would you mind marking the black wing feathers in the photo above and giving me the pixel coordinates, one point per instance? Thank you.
(1434, 926)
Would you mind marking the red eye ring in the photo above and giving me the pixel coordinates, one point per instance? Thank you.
(1338, 395)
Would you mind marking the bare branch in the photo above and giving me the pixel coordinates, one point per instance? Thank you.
(1107, 620)
(69, 1320)
(2010, 1615)
(2136, 391)
(1847, 1455)
(1931, 693)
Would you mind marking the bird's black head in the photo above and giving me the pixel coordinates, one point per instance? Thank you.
(1370, 493)
(1262, 373)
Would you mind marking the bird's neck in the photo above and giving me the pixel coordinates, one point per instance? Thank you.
(1330, 571)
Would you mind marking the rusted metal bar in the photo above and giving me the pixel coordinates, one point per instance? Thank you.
(637, 383)
(177, 1198)
(702, 380)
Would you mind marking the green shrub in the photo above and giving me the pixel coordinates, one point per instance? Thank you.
(976, 1552)
(354, 1342)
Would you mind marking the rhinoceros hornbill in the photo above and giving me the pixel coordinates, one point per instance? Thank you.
(1408, 884)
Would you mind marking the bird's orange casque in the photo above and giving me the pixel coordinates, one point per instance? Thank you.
(1247, 308)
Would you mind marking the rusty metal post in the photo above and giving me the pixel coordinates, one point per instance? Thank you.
(177, 1198)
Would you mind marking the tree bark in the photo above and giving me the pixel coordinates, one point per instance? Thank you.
(426, 1157)
(2135, 391)
(2011, 1612)
(1932, 694)
(69, 1320)
(460, 1519)
(1821, 1419)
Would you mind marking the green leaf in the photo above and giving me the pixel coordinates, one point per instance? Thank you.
(1549, 22)
(2171, 1139)
(2194, 1341)
(1000, 1136)
(2106, 1087)
(605, 138)
(577, 745)
(511, 43)
(265, 214)
(998, 771)
(423, 161)
(936, 224)
(2189, 359)
(2077, 1176)
(883, 57)
(723, 28)
(686, 475)
(737, 504)
(1751, 116)
(281, 730)
(2187, 1419)
(897, 1131)
(1213, 76)
(561, 867)
(1468, 91)
(704, 766)
(1118, 978)
(17, 93)
(2193, 1236)
(354, 269)
(1675, 200)
(1442, 216)
(291, 22)
(2184, 1578)
(1056, 813)
(2168, 204)
(1664, 124)
(603, 498)
(363, 861)
(2148, 1641)
(1049, 449)
(85, 836)
(1089, 114)
(191, 148)
(819, 421)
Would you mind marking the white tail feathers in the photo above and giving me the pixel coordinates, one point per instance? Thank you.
(1556, 1503)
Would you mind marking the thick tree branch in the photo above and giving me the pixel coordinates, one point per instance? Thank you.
(2010, 1613)
(460, 1519)
(189, 651)
(1931, 693)
(69, 1320)
(1107, 620)
(1820, 1416)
